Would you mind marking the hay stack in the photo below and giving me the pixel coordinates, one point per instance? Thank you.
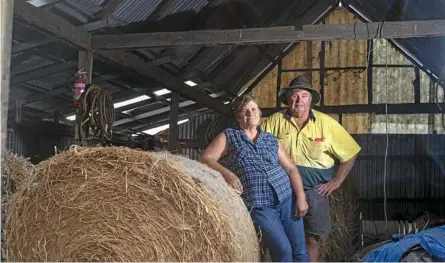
(338, 245)
(16, 170)
(118, 204)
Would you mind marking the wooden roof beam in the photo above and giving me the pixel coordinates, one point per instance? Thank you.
(44, 71)
(108, 9)
(273, 35)
(81, 39)
(402, 108)
(158, 111)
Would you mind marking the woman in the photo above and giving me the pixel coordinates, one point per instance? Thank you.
(253, 168)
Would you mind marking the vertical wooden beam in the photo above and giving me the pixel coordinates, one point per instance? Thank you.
(432, 98)
(322, 67)
(370, 69)
(309, 60)
(56, 117)
(416, 84)
(85, 64)
(6, 21)
(173, 128)
(280, 70)
(322, 71)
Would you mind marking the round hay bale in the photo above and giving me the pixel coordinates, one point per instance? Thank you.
(229, 202)
(119, 204)
(17, 170)
(338, 245)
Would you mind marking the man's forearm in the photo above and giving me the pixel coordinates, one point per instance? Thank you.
(343, 170)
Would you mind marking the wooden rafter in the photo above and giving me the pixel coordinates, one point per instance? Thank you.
(45, 71)
(271, 35)
(81, 39)
(109, 9)
(158, 111)
(403, 108)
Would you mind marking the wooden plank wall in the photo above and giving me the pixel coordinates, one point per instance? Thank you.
(350, 86)
(265, 92)
(340, 87)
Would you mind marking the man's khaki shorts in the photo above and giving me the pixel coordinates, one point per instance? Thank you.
(317, 220)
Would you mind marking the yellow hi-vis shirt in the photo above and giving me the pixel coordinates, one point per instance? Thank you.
(315, 147)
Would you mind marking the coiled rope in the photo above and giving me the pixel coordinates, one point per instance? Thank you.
(97, 114)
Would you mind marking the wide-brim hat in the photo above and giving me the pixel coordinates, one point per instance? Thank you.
(300, 82)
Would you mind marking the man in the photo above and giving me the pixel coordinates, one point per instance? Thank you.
(314, 141)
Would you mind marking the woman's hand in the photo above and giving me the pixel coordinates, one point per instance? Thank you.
(301, 205)
(233, 181)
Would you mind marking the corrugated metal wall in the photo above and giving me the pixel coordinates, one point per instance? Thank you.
(36, 146)
(188, 129)
(193, 130)
(16, 143)
(415, 175)
(41, 146)
(24, 143)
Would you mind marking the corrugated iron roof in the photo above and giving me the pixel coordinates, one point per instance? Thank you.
(178, 6)
(136, 10)
(89, 7)
(219, 64)
(98, 2)
(54, 80)
(213, 57)
(42, 105)
(185, 53)
(110, 87)
(18, 92)
(34, 62)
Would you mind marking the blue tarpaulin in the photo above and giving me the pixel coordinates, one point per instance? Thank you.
(432, 240)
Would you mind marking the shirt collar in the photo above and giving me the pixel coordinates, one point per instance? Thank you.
(260, 132)
(288, 116)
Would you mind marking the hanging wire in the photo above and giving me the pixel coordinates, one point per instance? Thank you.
(387, 138)
(379, 32)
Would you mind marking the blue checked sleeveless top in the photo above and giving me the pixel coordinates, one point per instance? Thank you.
(258, 168)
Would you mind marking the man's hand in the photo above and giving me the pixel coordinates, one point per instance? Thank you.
(327, 188)
(301, 206)
(234, 181)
